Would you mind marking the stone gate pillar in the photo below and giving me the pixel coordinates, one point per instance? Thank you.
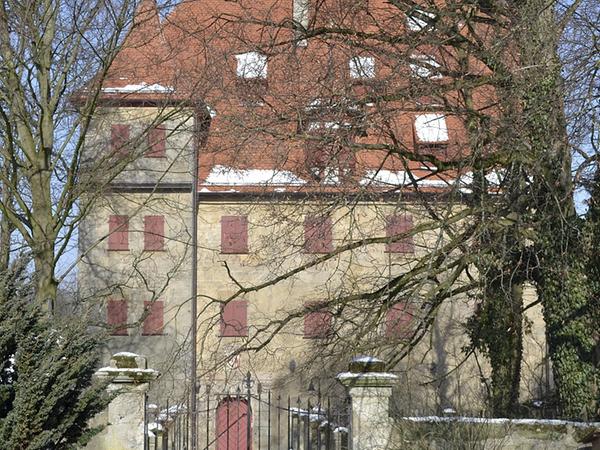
(123, 420)
(370, 389)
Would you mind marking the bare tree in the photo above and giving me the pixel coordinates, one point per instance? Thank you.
(53, 52)
(495, 67)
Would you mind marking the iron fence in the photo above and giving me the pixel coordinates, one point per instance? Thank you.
(251, 419)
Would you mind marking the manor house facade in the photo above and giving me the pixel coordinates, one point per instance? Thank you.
(320, 199)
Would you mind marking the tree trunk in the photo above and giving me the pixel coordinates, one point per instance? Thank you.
(562, 284)
(43, 239)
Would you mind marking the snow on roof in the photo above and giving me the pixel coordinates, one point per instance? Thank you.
(117, 370)
(127, 354)
(366, 359)
(350, 375)
(400, 178)
(142, 88)
(431, 128)
(416, 21)
(228, 176)
(251, 65)
(154, 426)
(384, 176)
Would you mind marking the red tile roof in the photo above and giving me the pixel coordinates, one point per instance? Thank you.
(188, 56)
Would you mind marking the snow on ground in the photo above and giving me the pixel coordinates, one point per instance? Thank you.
(485, 420)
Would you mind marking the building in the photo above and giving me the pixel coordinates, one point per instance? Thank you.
(320, 201)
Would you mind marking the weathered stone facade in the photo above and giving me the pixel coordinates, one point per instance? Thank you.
(247, 174)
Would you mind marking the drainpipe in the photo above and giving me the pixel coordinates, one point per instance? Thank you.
(199, 127)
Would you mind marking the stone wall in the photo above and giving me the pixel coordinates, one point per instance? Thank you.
(489, 434)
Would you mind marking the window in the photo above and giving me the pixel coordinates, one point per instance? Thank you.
(332, 126)
(362, 67)
(431, 128)
(234, 319)
(154, 318)
(419, 20)
(318, 235)
(329, 157)
(116, 317)
(234, 234)
(396, 225)
(251, 65)
(118, 229)
(119, 137)
(154, 233)
(398, 321)
(156, 142)
(317, 321)
(423, 66)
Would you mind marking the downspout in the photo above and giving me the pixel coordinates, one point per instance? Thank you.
(199, 125)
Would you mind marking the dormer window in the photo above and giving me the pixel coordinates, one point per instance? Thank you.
(362, 67)
(252, 66)
(329, 157)
(418, 20)
(431, 133)
(423, 66)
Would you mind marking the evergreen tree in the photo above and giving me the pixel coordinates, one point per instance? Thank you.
(47, 392)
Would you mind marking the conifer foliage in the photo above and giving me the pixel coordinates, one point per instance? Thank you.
(47, 392)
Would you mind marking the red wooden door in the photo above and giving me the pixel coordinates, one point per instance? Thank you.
(232, 425)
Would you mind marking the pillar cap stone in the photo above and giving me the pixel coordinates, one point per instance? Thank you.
(367, 371)
(363, 364)
(126, 367)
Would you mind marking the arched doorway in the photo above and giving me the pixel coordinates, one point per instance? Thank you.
(234, 425)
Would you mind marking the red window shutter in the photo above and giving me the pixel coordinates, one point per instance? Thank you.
(154, 321)
(234, 319)
(118, 229)
(119, 137)
(156, 142)
(396, 225)
(234, 234)
(318, 235)
(398, 321)
(154, 233)
(317, 322)
(116, 316)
